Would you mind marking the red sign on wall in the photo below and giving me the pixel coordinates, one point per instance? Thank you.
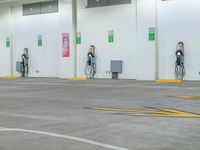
(65, 45)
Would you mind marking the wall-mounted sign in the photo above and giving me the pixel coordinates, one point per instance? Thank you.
(8, 42)
(111, 36)
(78, 38)
(152, 34)
(40, 41)
(65, 45)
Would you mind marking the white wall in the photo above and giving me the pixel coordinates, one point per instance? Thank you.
(94, 24)
(24, 30)
(178, 20)
(43, 61)
(4, 33)
(146, 50)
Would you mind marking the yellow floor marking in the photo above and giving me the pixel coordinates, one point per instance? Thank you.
(151, 112)
(9, 77)
(122, 109)
(167, 112)
(189, 97)
(77, 79)
(168, 81)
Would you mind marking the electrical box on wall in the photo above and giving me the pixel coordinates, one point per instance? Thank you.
(116, 68)
(100, 3)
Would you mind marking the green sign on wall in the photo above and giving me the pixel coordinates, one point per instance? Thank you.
(8, 42)
(111, 36)
(152, 34)
(40, 41)
(78, 38)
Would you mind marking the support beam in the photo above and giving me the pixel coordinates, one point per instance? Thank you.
(74, 32)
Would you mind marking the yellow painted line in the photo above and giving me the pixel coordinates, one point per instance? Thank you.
(168, 81)
(188, 97)
(77, 79)
(122, 109)
(167, 112)
(151, 112)
(9, 77)
(180, 112)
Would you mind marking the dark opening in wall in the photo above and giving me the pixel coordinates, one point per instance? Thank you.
(40, 8)
(100, 3)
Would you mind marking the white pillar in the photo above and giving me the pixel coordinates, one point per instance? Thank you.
(66, 64)
(147, 55)
(74, 31)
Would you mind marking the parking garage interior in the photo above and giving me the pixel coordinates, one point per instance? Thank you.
(99, 75)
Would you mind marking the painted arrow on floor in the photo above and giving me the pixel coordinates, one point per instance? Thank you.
(151, 112)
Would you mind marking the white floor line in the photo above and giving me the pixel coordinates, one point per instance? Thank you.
(108, 146)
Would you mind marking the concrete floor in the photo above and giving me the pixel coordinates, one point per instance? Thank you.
(51, 114)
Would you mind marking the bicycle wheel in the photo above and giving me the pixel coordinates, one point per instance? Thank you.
(91, 72)
(26, 72)
(179, 70)
(22, 70)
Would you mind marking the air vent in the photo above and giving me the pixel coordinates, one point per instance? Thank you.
(40, 8)
(101, 3)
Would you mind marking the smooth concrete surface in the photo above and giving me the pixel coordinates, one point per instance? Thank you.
(52, 114)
